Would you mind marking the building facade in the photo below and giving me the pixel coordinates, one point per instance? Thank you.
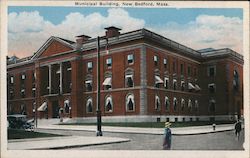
(144, 77)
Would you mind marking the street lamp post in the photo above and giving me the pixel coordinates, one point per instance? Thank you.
(98, 112)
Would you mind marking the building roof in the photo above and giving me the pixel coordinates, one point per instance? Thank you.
(135, 35)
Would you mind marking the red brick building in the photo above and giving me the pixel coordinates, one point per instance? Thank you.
(144, 77)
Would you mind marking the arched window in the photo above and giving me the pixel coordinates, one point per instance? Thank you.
(212, 104)
(130, 102)
(108, 104)
(23, 109)
(182, 104)
(157, 103)
(175, 104)
(129, 78)
(189, 105)
(196, 105)
(167, 104)
(67, 106)
(236, 80)
(89, 105)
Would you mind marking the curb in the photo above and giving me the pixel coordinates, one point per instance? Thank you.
(144, 132)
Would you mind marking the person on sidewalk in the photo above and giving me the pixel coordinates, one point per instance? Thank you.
(167, 137)
(237, 128)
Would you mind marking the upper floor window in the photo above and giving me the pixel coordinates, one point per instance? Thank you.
(158, 81)
(212, 88)
(89, 105)
(182, 85)
(174, 84)
(33, 91)
(182, 69)
(108, 104)
(33, 76)
(89, 84)
(107, 83)
(23, 76)
(11, 93)
(165, 62)
(130, 102)
(156, 60)
(189, 71)
(130, 58)
(11, 79)
(23, 109)
(22, 93)
(211, 71)
(236, 80)
(89, 66)
(109, 62)
(166, 82)
(129, 80)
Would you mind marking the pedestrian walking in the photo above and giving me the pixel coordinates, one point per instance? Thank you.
(237, 128)
(167, 137)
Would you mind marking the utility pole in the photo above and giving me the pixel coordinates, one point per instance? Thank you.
(98, 112)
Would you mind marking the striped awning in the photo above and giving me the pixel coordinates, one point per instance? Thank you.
(43, 107)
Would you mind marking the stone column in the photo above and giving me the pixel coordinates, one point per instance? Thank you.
(61, 77)
(50, 88)
(143, 77)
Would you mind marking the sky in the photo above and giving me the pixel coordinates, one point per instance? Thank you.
(198, 28)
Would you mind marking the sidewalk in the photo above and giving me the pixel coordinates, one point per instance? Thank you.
(61, 142)
(157, 131)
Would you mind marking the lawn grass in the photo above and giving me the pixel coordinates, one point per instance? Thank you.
(153, 124)
(22, 134)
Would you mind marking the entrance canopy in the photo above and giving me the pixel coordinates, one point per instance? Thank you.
(43, 107)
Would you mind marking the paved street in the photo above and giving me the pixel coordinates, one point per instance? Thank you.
(213, 141)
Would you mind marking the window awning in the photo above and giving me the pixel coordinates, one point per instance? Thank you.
(127, 76)
(191, 86)
(158, 80)
(107, 82)
(43, 107)
(197, 87)
(88, 81)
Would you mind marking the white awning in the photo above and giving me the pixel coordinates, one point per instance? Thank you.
(107, 81)
(158, 80)
(191, 86)
(127, 76)
(197, 87)
(88, 81)
(43, 107)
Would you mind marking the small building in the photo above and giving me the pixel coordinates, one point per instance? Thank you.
(144, 77)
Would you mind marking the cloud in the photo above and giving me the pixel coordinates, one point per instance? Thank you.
(206, 31)
(27, 31)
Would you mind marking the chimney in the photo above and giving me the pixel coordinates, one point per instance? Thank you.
(81, 39)
(112, 31)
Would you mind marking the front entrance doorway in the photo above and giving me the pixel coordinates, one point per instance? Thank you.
(55, 109)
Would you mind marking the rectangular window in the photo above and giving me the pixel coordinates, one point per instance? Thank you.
(189, 71)
(109, 62)
(182, 85)
(22, 93)
(11, 79)
(33, 92)
(182, 69)
(88, 85)
(23, 76)
(129, 81)
(130, 58)
(211, 71)
(211, 88)
(165, 62)
(89, 66)
(174, 66)
(156, 60)
(166, 82)
(174, 84)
